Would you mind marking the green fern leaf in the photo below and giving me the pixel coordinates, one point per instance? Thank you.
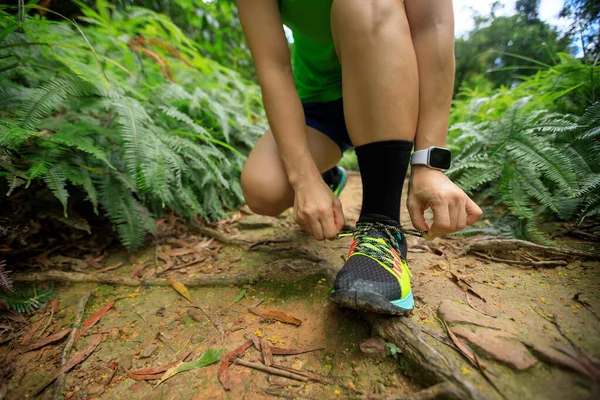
(56, 181)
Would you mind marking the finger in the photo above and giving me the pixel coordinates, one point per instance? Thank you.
(302, 223)
(338, 215)
(328, 225)
(473, 211)
(441, 221)
(462, 215)
(316, 228)
(417, 216)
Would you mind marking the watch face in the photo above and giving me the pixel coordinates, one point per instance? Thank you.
(439, 158)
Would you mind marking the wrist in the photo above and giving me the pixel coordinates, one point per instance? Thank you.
(417, 171)
(301, 176)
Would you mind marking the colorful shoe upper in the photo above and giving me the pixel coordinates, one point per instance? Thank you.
(376, 262)
(336, 179)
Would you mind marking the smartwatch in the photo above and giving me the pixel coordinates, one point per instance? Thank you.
(433, 157)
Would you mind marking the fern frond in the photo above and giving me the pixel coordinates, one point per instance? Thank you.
(6, 283)
(554, 165)
(56, 180)
(75, 136)
(590, 209)
(591, 116)
(591, 184)
(48, 98)
(514, 195)
(27, 302)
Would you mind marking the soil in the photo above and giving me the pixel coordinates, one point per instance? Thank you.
(149, 325)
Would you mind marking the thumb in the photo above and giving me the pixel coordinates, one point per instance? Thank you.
(417, 216)
(473, 212)
(338, 215)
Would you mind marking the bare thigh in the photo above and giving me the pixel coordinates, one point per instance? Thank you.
(264, 180)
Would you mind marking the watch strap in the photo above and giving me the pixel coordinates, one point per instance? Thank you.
(420, 157)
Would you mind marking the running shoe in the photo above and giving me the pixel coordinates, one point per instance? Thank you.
(335, 178)
(375, 276)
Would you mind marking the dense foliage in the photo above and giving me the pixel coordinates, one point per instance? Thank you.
(124, 114)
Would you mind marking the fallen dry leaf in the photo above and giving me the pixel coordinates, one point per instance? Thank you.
(209, 357)
(153, 373)
(91, 321)
(46, 341)
(73, 361)
(276, 315)
(180, 288)
(477, 309)
(265, 348)
(143, 377)
(223, 372)
(29, 335)
(110, 267)
(463, 348)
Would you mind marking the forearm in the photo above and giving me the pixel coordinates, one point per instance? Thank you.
(286, 119)
(434, 47)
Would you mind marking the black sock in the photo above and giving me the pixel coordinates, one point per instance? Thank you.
(383, 168)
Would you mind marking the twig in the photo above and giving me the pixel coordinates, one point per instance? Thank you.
(271, 370)
(59, 385)
(542, 263)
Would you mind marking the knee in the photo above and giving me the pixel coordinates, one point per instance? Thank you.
(262, 193)
(370, 17)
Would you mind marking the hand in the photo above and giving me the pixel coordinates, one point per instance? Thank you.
(452, 208)
(316, 209)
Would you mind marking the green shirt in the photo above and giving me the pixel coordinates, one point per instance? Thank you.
(317, 70)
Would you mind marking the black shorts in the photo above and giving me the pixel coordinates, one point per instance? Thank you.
(328, 118)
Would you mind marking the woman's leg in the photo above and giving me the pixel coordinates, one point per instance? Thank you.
(380, 87)
(264, 181)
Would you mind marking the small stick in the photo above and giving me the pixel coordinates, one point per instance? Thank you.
(271, 370)
(59, 384)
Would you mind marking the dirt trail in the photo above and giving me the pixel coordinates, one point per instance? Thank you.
(518, 321)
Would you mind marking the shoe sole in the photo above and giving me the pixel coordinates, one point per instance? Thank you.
(372, 302)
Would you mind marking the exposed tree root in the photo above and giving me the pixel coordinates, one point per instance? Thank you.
(503, 245)
(319, 267)
(59, 384)
(432, 366)
(531, 263)
(440, 391)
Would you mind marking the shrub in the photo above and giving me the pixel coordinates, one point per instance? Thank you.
(124, 115)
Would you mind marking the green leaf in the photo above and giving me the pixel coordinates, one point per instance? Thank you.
(210, 356)
(240, 296)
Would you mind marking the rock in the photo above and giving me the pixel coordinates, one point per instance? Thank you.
(503, 346)
(149, 351)
(453, 312)
(553, 356)
(196, 339)
(373, 347)
(256, 222)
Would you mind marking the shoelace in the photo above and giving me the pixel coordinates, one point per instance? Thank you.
(377, 247)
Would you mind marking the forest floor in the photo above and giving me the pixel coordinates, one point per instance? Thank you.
(523, 323)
